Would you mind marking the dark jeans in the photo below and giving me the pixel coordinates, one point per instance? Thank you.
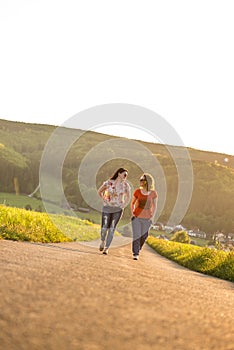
(140, 231)
(110, 219)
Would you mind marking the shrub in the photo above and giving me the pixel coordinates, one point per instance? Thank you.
(181, 237)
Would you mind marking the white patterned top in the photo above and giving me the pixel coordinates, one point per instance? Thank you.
(116, 194)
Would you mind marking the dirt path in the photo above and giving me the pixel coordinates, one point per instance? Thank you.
(70, 296)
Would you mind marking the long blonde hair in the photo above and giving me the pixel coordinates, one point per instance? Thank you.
(150, 184)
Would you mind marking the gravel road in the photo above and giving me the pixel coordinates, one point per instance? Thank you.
(70, 296)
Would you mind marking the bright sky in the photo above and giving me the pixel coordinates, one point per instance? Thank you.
(59, 57)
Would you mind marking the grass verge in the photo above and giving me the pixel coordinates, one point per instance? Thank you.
(22, 225)
(212, 262)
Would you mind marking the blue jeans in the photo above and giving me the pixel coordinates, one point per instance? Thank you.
(140, 231)
(110, 219)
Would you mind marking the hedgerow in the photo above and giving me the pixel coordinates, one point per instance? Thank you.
(209, 261)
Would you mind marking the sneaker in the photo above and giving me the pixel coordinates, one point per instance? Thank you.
(135, 257)
(101, 247)
(105, 251)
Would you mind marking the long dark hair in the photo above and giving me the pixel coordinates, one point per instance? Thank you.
(115, 175)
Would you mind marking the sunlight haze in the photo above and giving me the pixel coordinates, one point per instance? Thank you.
(175, 58)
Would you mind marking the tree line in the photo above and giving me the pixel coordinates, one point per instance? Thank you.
(212, 204)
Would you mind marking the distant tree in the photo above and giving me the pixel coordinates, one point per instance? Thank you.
(181, 237)
(39, 208)
(127, 231)
(28, 207)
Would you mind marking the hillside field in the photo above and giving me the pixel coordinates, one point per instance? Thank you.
(22, 144)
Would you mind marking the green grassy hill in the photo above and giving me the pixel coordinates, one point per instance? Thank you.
(23, 225)
(212, 204)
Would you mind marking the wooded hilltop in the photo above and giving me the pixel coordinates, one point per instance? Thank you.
(212, 204)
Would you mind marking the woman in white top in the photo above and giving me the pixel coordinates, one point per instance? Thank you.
(115, 194)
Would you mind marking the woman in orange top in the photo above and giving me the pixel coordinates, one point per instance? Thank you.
(143, 206)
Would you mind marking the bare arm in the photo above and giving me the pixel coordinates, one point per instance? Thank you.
(101, 191)
(133, 203)
(127, 195)
(154, 207)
